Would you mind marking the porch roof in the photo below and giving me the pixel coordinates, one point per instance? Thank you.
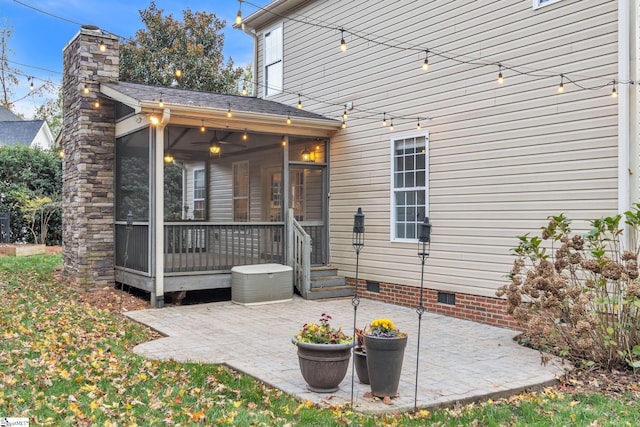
(144, 98)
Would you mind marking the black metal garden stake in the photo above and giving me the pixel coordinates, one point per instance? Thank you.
(424, 247)
(358, 243)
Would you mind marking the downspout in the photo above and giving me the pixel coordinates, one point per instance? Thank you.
(255, 58)
(626, 165)
(159, 207)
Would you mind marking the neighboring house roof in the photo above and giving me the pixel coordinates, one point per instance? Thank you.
(141, 95)
(25, 132)
(7, 116)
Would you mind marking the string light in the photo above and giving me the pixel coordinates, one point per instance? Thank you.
(202, 128)
(154, 120)
(614, 92)
(500, 78)
(168, 158)
(244, 135)
(161, 102)
(418, 127)
(178, 73)
(561, 85)
(425, 64)
(85, 89)
(239, 15)
(284, 141)
(31, 83)
(229, 115)
(391, 126)
(343, 44)
(102, 46)
(299, 103)
(244, 90)
(288, 119)
(384, 119)
(343, 125)
(96, 104)
(345, 116)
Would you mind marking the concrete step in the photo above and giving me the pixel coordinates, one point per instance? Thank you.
(327, 282)
(331, 292)
(324, 270)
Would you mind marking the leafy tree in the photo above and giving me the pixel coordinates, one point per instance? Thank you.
(38, 213)
(51, 112)
(27, 174)
(8, 75)
(193, 46)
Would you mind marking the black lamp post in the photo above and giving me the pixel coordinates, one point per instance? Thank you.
(357, 241)
(424, 247)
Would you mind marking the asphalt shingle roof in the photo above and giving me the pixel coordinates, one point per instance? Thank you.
(19, 132)
(191, 98)
(7, 116)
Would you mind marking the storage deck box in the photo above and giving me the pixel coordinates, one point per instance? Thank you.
(261, 283)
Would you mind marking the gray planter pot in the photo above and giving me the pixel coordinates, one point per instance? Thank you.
(360, 362)
(323, 366)
(384, 362)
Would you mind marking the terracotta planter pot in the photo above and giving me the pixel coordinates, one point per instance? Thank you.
(384, 362)
(323, 366)
(360, 362)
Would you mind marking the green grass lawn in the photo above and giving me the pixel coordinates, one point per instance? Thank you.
(63, 362)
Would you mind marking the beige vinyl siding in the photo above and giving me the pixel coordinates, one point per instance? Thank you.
(501, 157)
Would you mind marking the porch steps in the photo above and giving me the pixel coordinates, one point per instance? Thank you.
(325, 283)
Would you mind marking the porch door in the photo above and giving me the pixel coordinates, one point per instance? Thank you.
(307, 198)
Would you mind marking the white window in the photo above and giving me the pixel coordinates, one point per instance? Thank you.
(273, 61)
(199, 192)
(540, 3)
(241, 191)
(410, 176)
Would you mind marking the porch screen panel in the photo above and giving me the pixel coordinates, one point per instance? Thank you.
(409, 199)
(132, 176)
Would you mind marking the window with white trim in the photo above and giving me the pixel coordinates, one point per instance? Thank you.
(273, 53)
(199, 194)
(409, 179)
(241, 191)
(540, 3)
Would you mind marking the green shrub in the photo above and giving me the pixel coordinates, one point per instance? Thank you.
(583, 301)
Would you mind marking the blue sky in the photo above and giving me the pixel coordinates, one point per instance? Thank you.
(38, 38)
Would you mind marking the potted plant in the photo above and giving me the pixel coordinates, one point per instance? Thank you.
(323, 354)
(385, 346)
(360, 358)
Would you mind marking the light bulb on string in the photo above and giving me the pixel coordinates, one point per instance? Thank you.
(384, 119)
(614, 92)
(500, 78)
(391, 125)
(161, 102)
(299, 103)
(425, 64)
(244, 90)
(343, 125)
(96, 104)
(244, 135)
(284, 141)
(102, 46)
(85, 89)
(30, 83)
(239, 15)
(343, 44)
(345, 116)
(418, 127)
(202, 128)
(561, 85)
(178, 73)
(288, 119)
(229, 115)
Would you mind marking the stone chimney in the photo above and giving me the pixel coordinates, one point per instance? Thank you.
(88, 143)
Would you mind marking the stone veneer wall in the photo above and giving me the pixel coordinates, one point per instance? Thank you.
(88, 142)
(491, 311)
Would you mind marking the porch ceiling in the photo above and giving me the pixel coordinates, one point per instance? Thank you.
(193, 108)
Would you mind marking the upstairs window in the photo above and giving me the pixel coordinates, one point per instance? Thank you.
(410, 186)
(273, 61)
